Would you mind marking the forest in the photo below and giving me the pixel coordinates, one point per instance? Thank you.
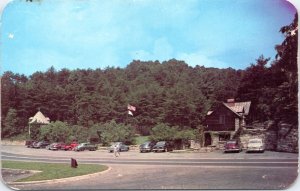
(169, 92)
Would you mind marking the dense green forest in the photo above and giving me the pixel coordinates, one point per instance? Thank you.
(170, 92)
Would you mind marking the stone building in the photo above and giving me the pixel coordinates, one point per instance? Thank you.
(225, 122)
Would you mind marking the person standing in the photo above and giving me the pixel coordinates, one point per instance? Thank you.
(117, 150)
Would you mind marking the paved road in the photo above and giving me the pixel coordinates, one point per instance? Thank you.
(262, 163)
(133, 170)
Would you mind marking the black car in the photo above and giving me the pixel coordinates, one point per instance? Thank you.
(41, 144)
(147, 146)
(163, 146)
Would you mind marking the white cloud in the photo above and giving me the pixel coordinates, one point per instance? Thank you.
(197, 58)
(162, 50)
(10, 36)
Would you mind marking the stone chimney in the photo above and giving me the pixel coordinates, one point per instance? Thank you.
(230, 102)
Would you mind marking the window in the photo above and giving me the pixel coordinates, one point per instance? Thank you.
(222, 119)
(224, 137)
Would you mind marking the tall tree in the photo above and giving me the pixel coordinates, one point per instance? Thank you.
(286, 97)
(10, 124)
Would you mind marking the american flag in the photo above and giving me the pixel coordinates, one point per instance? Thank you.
(130, 113)
(131, 108)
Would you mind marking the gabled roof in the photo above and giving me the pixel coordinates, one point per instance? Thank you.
(39, 118)
(209, 112)
(239, 108)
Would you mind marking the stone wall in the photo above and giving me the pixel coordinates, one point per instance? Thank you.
(214, 139)
(271, 140)
(287, 139)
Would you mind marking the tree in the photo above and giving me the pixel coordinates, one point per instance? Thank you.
(56, 132)
(163, 132)
(285, 67)
(113, 132)
(10, 124)
(256, 86)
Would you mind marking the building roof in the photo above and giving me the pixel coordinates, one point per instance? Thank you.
(209, 112)
(239, 107)
(39, 118)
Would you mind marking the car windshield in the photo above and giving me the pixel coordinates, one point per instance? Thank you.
(161, 143)
(255, 141)
(116, 144)
(231, 142)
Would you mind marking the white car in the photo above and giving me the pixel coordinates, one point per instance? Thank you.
(256, 144)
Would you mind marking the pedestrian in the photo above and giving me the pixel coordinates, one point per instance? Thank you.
(116, 150)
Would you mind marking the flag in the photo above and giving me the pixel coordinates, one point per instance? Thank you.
(131, 108)
(130, 113)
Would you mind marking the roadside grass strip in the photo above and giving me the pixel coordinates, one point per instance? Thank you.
(51, 171)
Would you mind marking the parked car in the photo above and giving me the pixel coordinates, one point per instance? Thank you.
(121, 145)
(48, 146)
(147, 146)
(163, 146)
(56, 146)
(30, 143)
(256, 144)
(70, 146)
(232, 146)
(85, 146)
(41, 144)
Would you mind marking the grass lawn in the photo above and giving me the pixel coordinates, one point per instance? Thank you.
(52, 170)
(141, 139)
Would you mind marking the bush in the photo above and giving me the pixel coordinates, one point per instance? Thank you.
(113, 132)
(55, 131)
(162, 132)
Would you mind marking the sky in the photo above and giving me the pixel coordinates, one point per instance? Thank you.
(111, 33)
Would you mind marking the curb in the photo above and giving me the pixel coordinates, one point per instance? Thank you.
(60, 179)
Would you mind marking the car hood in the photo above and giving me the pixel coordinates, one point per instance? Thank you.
(255, 145)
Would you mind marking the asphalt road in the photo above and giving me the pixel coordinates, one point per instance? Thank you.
(134, 170)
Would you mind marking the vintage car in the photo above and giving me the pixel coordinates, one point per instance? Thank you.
(163, 146)
(57, 146)
(85, 146)
(41, 144)
(30, 143)
(147, 146)
(70, 146)
(256, 145)
(120, 145)
(232, 146)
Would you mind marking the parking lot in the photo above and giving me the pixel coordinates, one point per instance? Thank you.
(168, 170)
(135, 154)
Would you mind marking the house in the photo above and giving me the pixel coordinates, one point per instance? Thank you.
(225, 122)
(36, 121)
(39, 118)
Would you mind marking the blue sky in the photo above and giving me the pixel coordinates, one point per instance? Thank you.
(99, 33)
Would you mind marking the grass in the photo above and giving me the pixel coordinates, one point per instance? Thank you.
(52, 170)
(141, 139)
(19, 137)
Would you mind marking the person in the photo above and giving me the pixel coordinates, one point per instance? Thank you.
(116, 150)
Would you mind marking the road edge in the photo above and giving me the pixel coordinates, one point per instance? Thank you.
(60, 179)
